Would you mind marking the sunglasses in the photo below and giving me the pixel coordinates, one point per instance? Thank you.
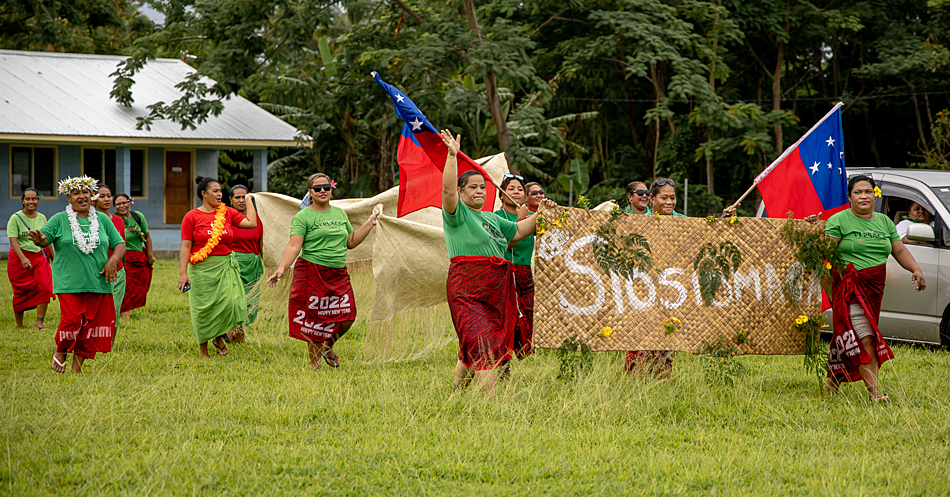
(641, 192)
(321, 188)
(515, 176)
(664, 182)
(537, 192)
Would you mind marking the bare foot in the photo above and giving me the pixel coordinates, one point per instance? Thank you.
(39, 325)
(77, 363)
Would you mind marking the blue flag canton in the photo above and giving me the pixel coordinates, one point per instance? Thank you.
(406, 109)
(822, 153)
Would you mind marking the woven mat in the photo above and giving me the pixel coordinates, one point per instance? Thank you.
(574, 297)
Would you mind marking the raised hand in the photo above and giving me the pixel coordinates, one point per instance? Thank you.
(453, 144)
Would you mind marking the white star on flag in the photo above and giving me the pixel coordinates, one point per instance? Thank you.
(416, 125)
(839, 170)
(814, 169)
(841, 154)
(830, 141)
(829, 165)
(399, 98)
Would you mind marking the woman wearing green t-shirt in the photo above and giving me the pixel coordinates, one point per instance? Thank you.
(139, 256)
(519, 254)
(27, 267)
(865, 238)
(479, 287)
(659, 362)
(83, 273)
(638, 198)
(322, 306)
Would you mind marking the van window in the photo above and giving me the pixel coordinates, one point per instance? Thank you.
(896, 200)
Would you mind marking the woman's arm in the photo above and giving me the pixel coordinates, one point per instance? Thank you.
(183, 264)
(529, 225)
(450, 177)
(15, 243)
(906, 260)
(290, 253)
(118, 253)
(149, 253)
(360, 234)
(250, 221)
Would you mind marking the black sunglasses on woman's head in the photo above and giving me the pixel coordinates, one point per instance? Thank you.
(664, 182)
(321, 188)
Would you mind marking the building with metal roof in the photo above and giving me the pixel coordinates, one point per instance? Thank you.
(57, 120)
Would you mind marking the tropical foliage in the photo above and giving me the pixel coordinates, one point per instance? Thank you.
(583, 96)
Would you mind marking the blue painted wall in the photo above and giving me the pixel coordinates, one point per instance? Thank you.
(166, 238)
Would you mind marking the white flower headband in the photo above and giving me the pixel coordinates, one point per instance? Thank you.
(81, 183)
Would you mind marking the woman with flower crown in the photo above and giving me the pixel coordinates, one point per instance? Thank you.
(209, 269)
(28, 265)
(322, 306)
(83, 274)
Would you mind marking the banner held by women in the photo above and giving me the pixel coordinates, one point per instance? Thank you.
(652, 295)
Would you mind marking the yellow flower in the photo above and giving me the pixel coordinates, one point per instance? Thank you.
(877, 192)
(605, 332)
(566, 223)
(733, 220)
(827, 265)
(557, 223)
(675, 320)
(542, 231)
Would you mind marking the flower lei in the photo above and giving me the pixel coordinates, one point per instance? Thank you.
(86, 245)
(217, 229)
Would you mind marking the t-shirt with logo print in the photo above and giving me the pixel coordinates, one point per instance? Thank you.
(476, 233)
(197, 226)
(324, 235)
(864, 242)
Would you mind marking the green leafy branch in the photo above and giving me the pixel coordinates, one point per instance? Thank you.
(576, 359)
(715, 264)
(622, 254)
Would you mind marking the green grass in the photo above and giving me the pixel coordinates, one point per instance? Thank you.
(153, 418)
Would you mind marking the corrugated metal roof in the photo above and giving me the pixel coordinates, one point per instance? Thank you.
(67, 95)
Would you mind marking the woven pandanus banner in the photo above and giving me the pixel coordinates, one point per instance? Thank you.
(669, 283)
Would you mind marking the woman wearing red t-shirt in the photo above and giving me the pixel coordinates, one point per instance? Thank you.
(209, 269)
(247, 245)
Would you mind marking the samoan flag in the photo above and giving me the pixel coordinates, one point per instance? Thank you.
(810, 177)
(421, 157)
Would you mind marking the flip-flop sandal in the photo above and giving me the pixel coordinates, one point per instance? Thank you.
(56, 362)
(39, 326)
(221, 348)
(327, 359)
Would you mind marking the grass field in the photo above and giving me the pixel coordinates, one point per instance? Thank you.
(153, 418)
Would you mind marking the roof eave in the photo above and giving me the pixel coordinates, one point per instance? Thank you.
(154, 141)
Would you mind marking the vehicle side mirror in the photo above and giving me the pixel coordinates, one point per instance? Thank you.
(920, 232)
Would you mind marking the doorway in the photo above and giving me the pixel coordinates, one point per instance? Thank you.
(178, 181)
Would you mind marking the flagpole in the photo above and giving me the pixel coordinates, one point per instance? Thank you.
(763, 174)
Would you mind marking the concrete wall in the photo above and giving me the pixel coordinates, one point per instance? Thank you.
(166, 238)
